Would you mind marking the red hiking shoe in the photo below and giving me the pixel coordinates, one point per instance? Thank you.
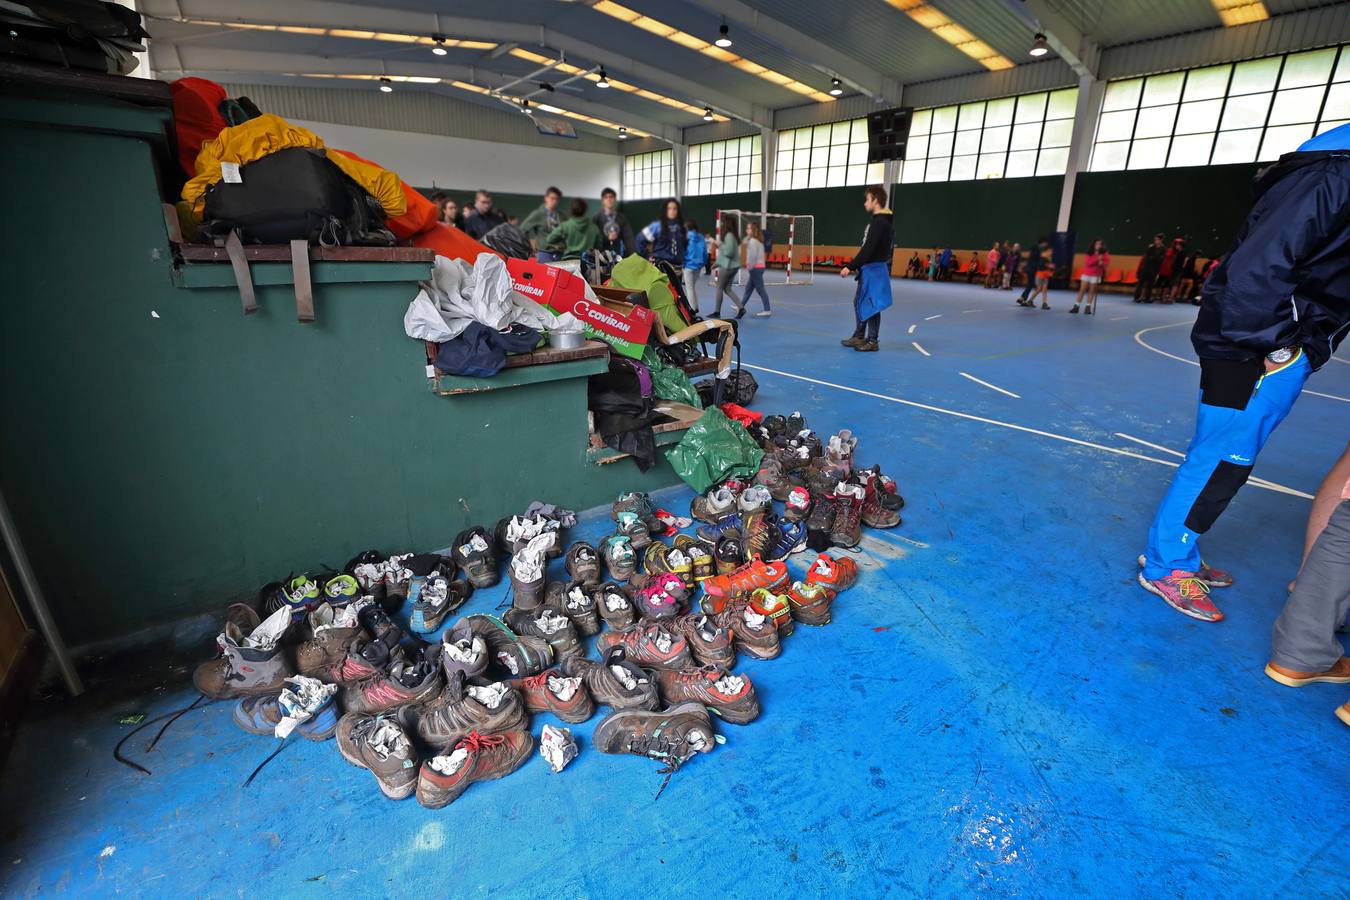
(751, 576)
(835, 574)
(1184, 592)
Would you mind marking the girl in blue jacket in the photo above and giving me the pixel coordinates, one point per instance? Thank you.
(665, 238)
(695, 258)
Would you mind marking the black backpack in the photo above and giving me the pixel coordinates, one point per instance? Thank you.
(297, 194)
(510, 240)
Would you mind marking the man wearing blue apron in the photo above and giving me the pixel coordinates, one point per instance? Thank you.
(872, 266)
(1273, 312)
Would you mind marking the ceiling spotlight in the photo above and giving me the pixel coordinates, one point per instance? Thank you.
(835, 87)
(1040, 47)
(439, 48)
(707, 114)
(386, 86)
(623, 133)
(604, 79)
(723, 36)
(525, 108)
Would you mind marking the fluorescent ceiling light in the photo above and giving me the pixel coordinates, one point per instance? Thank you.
(436, 42)
(1240, 12)
(569, 69)
(720, 53)
(936, 21)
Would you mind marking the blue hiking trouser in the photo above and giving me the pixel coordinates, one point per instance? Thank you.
(1230, 430)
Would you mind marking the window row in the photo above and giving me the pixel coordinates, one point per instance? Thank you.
(1231, 113)
(830, 155)
(649, 176)
(724, 167)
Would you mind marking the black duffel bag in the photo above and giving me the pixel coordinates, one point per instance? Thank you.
(297, 194)
(740, 388)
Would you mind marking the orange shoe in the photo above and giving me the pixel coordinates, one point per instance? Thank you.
(835, 574)
(810, 603)
(1337, 674)
(751, 576)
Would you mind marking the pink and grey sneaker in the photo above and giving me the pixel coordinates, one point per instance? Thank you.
(1186, 593)
(1212, 577)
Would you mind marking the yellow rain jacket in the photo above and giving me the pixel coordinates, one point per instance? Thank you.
(266, 134)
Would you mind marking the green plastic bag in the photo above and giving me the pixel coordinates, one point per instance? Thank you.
(712, 450)
(670, 382)
(633, 273)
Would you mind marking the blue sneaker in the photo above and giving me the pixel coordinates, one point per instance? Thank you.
(790, 539)
(260, 714)
(710, 534)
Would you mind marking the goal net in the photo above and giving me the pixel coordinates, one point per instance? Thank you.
(789, 243)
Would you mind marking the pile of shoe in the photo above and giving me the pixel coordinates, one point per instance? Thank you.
(338, 654)
(827, 499)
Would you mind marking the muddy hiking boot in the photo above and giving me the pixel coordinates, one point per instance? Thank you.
(577, 603)
(810, 603)
(547, 623)
(437, 598)
(775, 607)
(620, 557)
(701, 563)
(820, 522)
(553, 692)
(798, 505)
(446, 775)
(332, 632)
(463, 652)
(379, 626)
(709, 641)
(754, 574)
(614, 604)
(640, 505)
(262, 713)
(397, 580)
(363, 659)
(461, 708)
(511, 655)
(753, 633)
(474, 551)
(728, 555)
(732, 697)
(714, 506)
(672, 737)
(661, 598)
(875, 514)
(615, 681)
(378, 744)
(630, 525)
(847, 529)
(835, 574)
(653, 645)
(583, 563)
(406, 682)
(254, 663)
(527, 574)
(886, 487)
(726, 526)
(772, 476)
(789, 538)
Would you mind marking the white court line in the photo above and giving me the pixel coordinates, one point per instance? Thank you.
(973, 418)
(911, 328)
(919, 347)
(1259, 482)
(965, 311)
(1190, 362)
(992, 387)
(931, 318)
(1117, 318)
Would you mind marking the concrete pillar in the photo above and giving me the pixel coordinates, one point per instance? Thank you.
(768, 148)
(679, 156)
(1090, 94)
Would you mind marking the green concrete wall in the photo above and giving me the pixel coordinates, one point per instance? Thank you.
(1207, 205)
(164, 455)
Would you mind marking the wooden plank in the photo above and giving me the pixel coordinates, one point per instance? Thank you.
(546, 355)
(209, 253)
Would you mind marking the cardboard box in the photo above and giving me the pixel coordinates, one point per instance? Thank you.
(561, 291)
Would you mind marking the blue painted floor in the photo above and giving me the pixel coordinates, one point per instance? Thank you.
(997, 709)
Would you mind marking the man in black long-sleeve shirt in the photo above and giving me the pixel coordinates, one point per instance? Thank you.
(877, 246)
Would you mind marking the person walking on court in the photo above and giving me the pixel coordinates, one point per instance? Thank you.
(872, 269)
(992, 260)
(1272, 312)
(754, 267)
(1039, 267)
(1095, 265)
(1304, 646)
(728, 262)
(1149, 266)
(695, 257)
(1011, 263)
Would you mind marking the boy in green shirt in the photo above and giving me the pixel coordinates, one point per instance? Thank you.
(577, 235)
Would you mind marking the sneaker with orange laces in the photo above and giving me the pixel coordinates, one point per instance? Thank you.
(551, 691)
(730, 696)
(775, 606)
(754, 574)
(810, 603)
(835, 574)
(1184, 592)
(478, 757)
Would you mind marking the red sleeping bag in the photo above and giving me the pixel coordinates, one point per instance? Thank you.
(196, 117)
